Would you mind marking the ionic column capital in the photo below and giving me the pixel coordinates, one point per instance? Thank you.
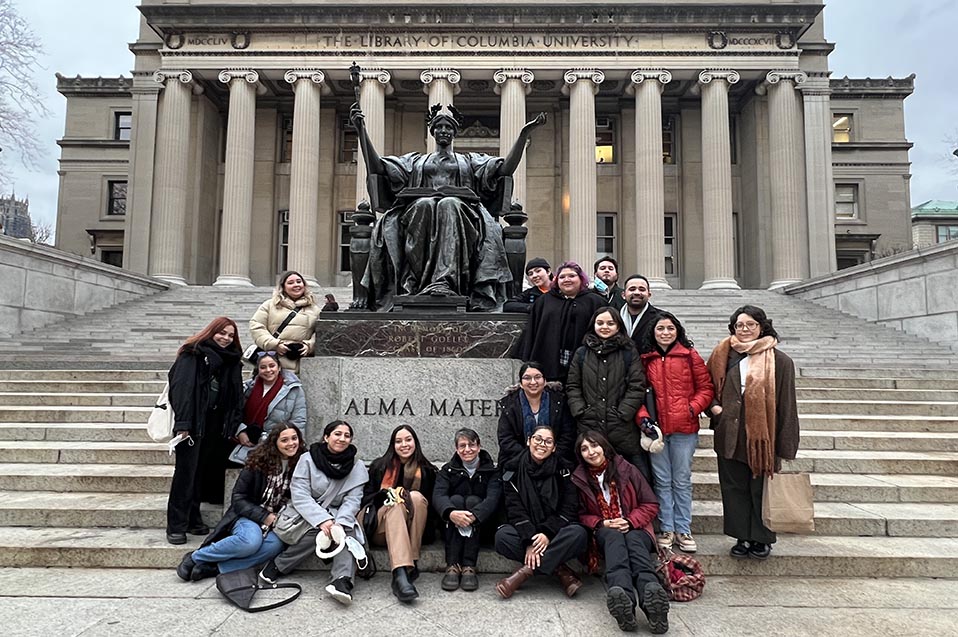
(452, 76)
(639, 76)
(708, 75)
(382, 76)
(504, 75)
(228, 75)
(162, 76)
(572, 76)
(313, 75)
(796, 77)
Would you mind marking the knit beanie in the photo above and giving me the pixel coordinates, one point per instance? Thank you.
(538, 262)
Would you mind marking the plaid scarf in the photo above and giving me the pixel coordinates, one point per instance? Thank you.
(610, 510)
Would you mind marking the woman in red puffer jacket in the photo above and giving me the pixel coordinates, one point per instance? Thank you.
(683, 390)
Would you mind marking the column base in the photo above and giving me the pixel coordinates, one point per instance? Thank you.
(720, 284)
(231, 280)
(172, 279)
(659, 284)
(778, 285)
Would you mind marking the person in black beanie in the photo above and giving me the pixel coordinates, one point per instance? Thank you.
(539, 273)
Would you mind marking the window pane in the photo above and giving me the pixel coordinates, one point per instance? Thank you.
(122, 124)
(841, 128)
(846, 201)
(349, 147)
(604, 140)
(117, 193)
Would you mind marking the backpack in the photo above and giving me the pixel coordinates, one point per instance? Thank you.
(159, 426)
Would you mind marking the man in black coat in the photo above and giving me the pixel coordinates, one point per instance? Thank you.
(638, 314)
(605, 281)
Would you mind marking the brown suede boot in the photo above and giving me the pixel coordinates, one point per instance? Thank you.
(569, 580)
(509, 585)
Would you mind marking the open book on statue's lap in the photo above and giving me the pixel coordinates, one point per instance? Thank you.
(459, 192)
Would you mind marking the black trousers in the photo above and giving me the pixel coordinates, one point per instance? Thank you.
(742, 502)
(628, 559)
(569, 542)
(643, 462)
(198, 476)
(460, 550)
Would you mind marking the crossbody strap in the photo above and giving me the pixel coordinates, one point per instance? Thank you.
(258, 587)
(286, 321)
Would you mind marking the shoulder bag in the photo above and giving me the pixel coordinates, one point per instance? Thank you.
(251, 353)
(159, 426)
(239, 587)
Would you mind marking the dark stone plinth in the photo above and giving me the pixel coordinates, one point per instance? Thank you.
(411, 335)
(426, 304)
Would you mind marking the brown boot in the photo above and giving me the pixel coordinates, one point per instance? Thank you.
(509, 585)
(569, 580)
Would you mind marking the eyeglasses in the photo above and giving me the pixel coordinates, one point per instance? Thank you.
(262, 354)
(467, 445)
(748, 325)
(543, 442)
(536, 378)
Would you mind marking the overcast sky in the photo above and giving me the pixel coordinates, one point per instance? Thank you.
(875, 38)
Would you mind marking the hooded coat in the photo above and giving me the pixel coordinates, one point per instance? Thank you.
(511, 432)
(557, 323)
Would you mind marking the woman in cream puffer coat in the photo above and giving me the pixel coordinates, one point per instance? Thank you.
(291, 292)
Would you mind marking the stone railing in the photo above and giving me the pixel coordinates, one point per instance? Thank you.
(40, 285)
(913, 292)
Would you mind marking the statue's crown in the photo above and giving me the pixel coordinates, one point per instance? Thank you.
(451, 113)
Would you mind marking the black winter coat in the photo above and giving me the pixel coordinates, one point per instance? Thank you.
(523, 301)
(511, 433)
(612, 296)
(453, 479)
(566, 504)
(642, 334)
(246, 502)
(557, 323)
(189, 380)
(603, 394)
(427, 486)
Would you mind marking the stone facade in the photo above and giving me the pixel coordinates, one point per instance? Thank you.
(934, 222)
(15, 217)
(224, 188)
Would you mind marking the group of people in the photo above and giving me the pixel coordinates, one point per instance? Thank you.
(596, 441)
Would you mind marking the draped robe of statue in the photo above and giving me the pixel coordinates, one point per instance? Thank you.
(438, 238)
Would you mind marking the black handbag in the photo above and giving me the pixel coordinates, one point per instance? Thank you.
(240, 587)
(251, 354)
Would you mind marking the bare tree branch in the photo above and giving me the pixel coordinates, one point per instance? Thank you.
(41, 232)
(20, 100)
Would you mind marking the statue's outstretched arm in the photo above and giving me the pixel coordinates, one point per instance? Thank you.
(515, 154)
(374, 161)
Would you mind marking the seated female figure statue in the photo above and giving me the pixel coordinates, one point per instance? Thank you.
(438, 237)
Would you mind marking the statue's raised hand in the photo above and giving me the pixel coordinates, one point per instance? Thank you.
(356, 116)
(539, 120)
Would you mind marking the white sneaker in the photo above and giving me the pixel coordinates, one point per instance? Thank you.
(665, 540)
(687, 543)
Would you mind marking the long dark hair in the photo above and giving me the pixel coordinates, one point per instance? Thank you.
(266, 458)
(205, 334)
(331, 427)
(760, 317)
(597, 438)
(680, 335)
(614, 313)
(391, 456)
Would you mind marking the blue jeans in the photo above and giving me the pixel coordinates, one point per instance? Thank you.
(244, 547)
(672, 468)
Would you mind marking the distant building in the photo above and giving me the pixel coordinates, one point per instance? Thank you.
(15, 217)
(934, 222)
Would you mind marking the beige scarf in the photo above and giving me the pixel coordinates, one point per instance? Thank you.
(759, 397)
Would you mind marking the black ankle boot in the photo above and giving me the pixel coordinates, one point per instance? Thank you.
(402, 587)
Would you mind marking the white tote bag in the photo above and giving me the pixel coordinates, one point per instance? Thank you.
(160, 424)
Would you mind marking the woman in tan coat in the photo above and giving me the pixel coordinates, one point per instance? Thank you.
(755, 418)
(297, 338)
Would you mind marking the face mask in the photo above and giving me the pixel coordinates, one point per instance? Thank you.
(600, 285)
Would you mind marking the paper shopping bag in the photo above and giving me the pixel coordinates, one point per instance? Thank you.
(787, 505)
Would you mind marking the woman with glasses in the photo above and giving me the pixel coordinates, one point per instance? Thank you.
(683, 390)
(534, 401)
(466, 497)
(542, 532)
(755, 418)
(607, 385)
(275, 395)
(293, 304)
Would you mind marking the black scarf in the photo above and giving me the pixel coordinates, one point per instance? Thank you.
(538, 486)
(335, 466)
(218, 357)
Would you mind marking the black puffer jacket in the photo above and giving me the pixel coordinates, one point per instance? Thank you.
(604, 394)
(190, 379)
(511, 432)
(453, 479)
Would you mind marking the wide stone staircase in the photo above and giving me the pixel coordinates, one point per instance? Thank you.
(82, 485)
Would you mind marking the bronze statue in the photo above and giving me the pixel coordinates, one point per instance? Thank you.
(439, 235)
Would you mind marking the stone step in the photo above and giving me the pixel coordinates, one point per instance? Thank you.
(75, 431)
(878, 407)
(84, 399)
(892, 424)
(865, 440)
(793, 556)
(855, 488)
(20, 413)
(85, 375)
(153, 387)
(142, 453)
(870, 394)
(86, 478)
(894, 373)
(931, 384)
(868, 462)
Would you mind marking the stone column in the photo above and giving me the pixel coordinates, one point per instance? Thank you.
(513, 86)
(717, 181)
(304, 172)
(819, 180)
(581, 85)
(649, 175)
(787, 183)
(374, 87)
(441, 85)
(238, 182)
(168, 236)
